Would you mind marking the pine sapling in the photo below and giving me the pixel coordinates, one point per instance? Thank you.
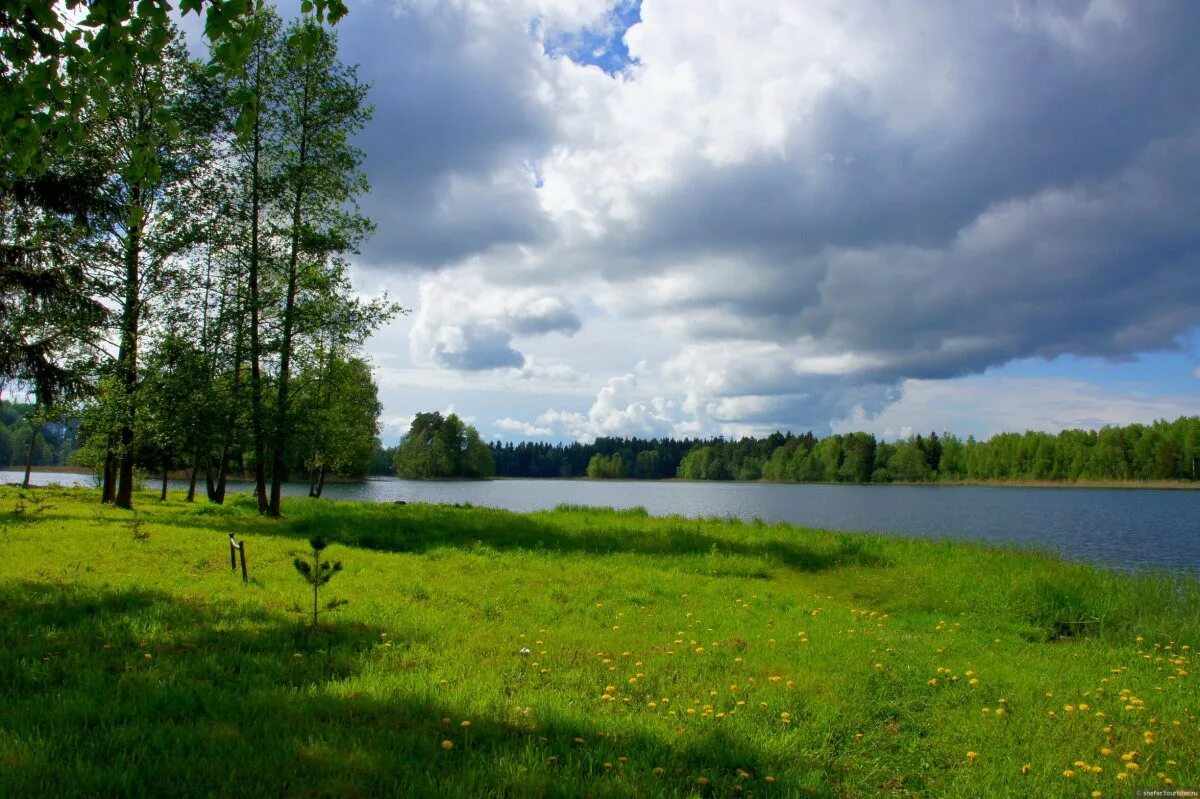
(318, 573)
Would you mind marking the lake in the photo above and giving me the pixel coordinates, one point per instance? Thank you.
(1125, 528)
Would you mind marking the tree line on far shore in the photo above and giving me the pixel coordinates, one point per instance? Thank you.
(1168, 451)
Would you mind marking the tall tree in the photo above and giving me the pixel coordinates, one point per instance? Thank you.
(153, 113)
(322, 106)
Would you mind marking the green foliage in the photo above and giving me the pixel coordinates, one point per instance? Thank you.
(65, 57)
(1161, 451)
(610, 467)
(439, 447)
(520, 624)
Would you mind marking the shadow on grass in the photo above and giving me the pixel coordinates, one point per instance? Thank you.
(420, 528)
(239, 703)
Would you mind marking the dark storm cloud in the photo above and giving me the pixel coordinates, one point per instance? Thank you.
(453, 105)
(1057, 216)
(1037, 115)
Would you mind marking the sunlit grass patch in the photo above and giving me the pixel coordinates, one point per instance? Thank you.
(572, 652)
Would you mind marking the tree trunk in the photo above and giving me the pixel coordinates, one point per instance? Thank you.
(166, 468)
(108, 490)
(285, 351)
(321, 483)
(191, 494)
(33, 434)
(127, 357)
(256, 411)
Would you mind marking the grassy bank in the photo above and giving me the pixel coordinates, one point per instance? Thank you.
(569, 653)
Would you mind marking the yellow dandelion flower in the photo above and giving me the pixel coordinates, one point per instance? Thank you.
(1068, 773)
(447, 745)
(971, 756)
(658, 771)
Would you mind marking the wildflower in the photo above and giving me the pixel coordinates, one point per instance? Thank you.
(447, 745)
(1068, 773)
(658, 771)
(702, 780)
(1025, 769)
(608, 765)
(971, 756)
(769, 778)
(465, 723)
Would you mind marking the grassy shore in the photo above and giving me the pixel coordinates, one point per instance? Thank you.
(570, 653)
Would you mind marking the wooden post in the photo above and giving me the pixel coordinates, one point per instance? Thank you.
(234, 549)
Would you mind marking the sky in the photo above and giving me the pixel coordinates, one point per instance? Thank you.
(721, 217)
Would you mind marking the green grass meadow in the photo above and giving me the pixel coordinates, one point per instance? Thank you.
(578, 652)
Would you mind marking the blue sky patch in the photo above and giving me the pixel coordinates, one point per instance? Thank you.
(601, 45)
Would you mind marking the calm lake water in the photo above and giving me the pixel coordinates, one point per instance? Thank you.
(1123, 528)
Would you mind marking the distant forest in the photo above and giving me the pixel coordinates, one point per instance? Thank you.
(52, 443)
(1160, 451)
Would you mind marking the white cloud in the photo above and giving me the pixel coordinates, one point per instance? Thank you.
(463, 323)
(618, 410)
(522, 428)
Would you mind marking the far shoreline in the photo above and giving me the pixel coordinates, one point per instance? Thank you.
(1128, 485)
